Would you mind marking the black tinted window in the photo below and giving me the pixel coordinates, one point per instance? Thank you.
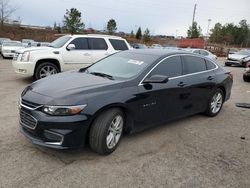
(118, 44)
(97, 44)
(170, 67)
(193, 64)
(80, 43)
(210, 65)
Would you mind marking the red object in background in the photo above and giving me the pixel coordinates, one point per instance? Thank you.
(191, 43)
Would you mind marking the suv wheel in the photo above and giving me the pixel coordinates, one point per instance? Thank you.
(106, 131)
(45, 69)
(215, 103)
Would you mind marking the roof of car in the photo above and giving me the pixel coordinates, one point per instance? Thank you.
(159, 52)
(96, 35)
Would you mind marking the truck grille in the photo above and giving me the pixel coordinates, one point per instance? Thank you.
(27, 120)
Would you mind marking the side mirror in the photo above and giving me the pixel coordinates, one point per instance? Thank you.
(156, 79)
(71, 47)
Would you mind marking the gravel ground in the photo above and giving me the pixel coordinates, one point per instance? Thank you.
(193, 152)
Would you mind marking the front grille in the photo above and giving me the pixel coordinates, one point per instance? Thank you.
(30, 104)
(13, 51)
(27, 120)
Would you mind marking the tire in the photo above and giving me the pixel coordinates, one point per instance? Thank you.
(246, 78)
(40, 71)
(101, 136)
(211, 111)
(228, 64)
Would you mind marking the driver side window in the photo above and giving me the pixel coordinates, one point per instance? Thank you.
(170, 67)
(80, 43)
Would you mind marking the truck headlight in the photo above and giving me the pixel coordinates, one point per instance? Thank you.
(63, 110)
(25, 56)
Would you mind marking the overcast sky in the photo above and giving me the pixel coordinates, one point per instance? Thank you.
(166, 17)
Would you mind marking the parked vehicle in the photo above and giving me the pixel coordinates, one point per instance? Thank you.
(44, 43)
(246, 75)
(236, 58)
(9, 48)
(156, 46)
(27, 42)
(66, 53)
(1, 42)
(125, 92)
(139, 46)
(202, 52)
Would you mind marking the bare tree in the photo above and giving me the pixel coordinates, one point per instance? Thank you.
(6, 10)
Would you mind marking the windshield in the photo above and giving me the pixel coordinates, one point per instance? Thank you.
(123, 65)
(58, 43)
(12, 44)
(243, 52)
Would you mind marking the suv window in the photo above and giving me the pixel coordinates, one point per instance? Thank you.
(210, 65)
(170, 67)
(118, 44)
(197, 51)
(97, 44)
(193, 64)
(80, 43)
(202, 52)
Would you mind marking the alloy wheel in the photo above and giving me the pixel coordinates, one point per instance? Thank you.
(47, 71)
(216, 102)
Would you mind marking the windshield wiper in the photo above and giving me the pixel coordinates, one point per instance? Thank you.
(102, 75)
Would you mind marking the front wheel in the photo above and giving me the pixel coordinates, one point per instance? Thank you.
(246, 78)
(45, 69)
(215, 103)
(106, 131)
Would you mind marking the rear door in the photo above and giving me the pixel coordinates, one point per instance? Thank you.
(199, 83)
(98, 48)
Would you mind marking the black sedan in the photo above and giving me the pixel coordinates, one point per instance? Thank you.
(126, 92)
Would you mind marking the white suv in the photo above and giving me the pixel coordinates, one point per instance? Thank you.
(65, 53)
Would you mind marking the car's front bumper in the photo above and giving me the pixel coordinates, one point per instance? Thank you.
(24, 68)
(8, 54)
(60, 132)
(231, 62)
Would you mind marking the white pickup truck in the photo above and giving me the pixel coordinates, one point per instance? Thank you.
(66, 53)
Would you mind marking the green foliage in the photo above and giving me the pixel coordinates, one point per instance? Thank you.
(111, 26)
(138, 34)
(72, 20)
(194, 31)
(231, 34)
(132, 35)
(146, 35)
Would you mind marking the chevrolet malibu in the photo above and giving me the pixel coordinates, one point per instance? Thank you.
(123, 93)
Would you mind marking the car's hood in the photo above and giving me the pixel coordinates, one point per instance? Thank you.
(44, 48)
(11, 48)
(236, 57)
(69, 88)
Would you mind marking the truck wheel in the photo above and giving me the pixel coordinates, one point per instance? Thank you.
(45, 69)
(106, 131)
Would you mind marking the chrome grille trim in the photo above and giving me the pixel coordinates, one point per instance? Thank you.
(27, 120)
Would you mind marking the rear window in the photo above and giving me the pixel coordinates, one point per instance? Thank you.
(97, 44)
(194, 64)
(118, 44)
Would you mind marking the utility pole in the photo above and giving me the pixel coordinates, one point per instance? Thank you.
(193, 19)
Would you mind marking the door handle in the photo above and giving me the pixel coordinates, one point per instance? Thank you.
(181, 84)
(86, 54)
(210, 78)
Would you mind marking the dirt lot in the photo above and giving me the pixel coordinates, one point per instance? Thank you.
(192, 152)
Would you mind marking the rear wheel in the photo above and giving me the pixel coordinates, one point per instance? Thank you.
(228, 64)
(246, 78)
(215, 103)
(45, 69)
(106, 131)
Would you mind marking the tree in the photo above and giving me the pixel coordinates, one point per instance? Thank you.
(194, 31)
(111, 26)
(72, 20)
(6, 10)
(132, 35)
(146, 35)
(138, 34)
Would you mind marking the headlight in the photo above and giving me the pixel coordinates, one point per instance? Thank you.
(63, 110)
(25, 56)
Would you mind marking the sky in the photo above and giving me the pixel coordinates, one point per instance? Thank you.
(165, 17)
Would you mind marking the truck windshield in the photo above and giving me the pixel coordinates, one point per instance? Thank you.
(58, 43)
